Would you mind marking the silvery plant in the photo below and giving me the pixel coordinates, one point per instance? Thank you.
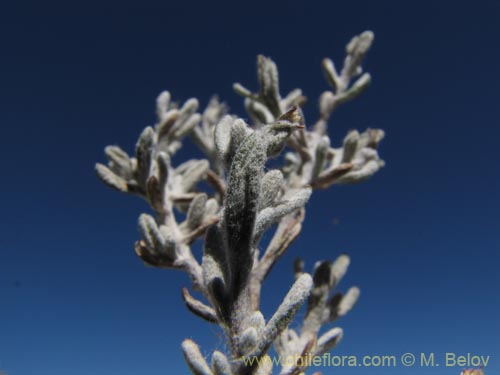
(230, 199)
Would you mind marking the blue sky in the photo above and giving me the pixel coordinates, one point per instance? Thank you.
(423, 234)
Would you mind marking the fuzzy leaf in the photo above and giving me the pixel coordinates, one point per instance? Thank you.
(195, 359)
(187, 110)
(143, 152)
(363, 173)
(223, 136)
(294, 97)
(220, 364)
(248, 340)
(154, 192)
(331, 175)
(196, 211)
(320, 157)
(164, 128)
(286, 311)
(356, 89)
(258, 112)
(331, 73)
(162, 104)
(272, 183)
(292, 201)
(241, 206)
(350, 146)
(282, 317)
(257, 321)
(110, 178)
(328, 340)
(119, 161)
(242, 90)
(211, 207)
(214, 247)
(150, 232)
(187, 126)
(229, 134)
(339, 269)
(198, 308)
(348, 301)
(356, 51)
(277, 134)
(216, 271)
(269, 83)
(163, 162)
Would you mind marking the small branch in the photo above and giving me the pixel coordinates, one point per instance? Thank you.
(217, 182)
(288, 230)
(183, 197)
(328, 177)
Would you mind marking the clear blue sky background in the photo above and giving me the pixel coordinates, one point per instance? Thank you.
(423, 233)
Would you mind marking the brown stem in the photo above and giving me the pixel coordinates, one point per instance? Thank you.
(287, 232)
(217, 182)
